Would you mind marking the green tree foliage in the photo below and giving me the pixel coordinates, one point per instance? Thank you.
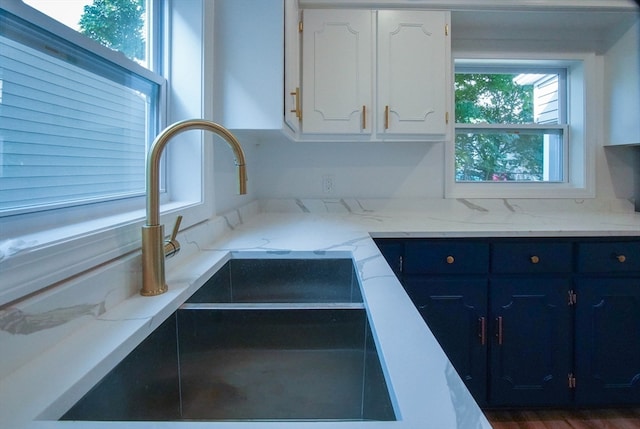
(116, 24)
(487, 156)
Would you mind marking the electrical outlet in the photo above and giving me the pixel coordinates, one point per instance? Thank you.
(327, 184)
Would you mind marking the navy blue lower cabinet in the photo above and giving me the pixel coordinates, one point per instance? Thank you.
(539, 322)
(608, 341)
(456, 312)
(531, 343)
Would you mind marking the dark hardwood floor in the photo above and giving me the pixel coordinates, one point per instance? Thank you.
(565, 419)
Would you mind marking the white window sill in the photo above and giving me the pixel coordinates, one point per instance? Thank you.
(32, 262)
(517, 190)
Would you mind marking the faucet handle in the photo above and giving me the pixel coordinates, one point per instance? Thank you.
(172, 246)
(176, 228)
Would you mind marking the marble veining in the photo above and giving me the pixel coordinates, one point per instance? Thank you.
(11, 247)
(233, 219)
(508, 205)
(301, 205)
(471, 205)
(18, 322)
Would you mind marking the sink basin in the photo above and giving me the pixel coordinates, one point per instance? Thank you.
(282, 280)
(273, 339)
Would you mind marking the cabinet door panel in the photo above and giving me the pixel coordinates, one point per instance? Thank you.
(531, 349)
(453, 308)
(608, 341)
(412, 72)
(337, 71)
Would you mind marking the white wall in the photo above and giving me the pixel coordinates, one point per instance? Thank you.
(371, 170)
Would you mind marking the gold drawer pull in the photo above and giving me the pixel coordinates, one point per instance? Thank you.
(297, 110)
(364, 117)
(386, 117)
(621, 258)
(450, 259)
(483, 330)
(535, 259)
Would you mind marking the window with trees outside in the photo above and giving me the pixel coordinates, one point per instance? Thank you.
(511, 124)
(75, 118)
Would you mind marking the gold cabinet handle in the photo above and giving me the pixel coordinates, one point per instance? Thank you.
(483, 330)
(535, 259)
(297, 110)
(364, 117)
(499, 333)
(450, 259)
(386, 117)
(621, 258)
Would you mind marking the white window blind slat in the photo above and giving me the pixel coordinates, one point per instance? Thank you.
(52, 135)
(68, 153)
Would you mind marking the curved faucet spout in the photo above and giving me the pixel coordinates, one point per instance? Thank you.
(153, 247)
(160, 142)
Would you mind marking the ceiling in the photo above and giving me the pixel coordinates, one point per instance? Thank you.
(583, 30)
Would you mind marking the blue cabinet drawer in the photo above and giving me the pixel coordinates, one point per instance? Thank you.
(609, 257)
(531, 257)
(446, 257)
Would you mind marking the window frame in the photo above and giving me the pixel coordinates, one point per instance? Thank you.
(579, 131)
(38, 250)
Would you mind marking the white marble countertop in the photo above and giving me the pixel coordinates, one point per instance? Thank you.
(473, 218)
(59, 344)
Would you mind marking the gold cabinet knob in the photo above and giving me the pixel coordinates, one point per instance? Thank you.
(621, 258)
(535, 259)
(450, 259)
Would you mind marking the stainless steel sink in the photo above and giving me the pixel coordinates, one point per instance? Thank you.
(284, 339)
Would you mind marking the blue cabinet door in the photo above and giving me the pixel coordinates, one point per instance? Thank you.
(531, 347)
(608, 341)
(455, 310)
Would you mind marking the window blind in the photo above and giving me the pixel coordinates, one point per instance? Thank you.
(69, 133)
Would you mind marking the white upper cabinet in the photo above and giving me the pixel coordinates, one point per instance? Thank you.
(375, 75)
(413, 81)
(337, 71)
